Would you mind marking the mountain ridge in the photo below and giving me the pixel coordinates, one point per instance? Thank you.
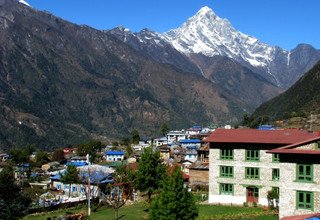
(61, 83)
(300, 99)
(211, 35)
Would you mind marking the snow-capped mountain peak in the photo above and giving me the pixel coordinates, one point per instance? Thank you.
(206, 11)
(211, 35)
(24, 2)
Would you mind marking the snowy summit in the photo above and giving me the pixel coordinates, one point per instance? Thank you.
(211, 35)
(24, 2)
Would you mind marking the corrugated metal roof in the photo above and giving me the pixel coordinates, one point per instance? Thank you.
(110, 152)
(97, 174)
(189, 141)
(290, 149)
(77, 163)
(285, 136)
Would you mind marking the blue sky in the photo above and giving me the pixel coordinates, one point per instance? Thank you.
(284, 23)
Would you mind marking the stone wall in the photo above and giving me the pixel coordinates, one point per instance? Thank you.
(289, 187)
(239, 181)
(312, 146)
(198, 177)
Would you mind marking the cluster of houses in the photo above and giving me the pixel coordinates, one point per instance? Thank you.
(237, 166)
(186, 148)
(243, 166)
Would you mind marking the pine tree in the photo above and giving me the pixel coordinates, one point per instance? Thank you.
(174, 202)
(164, 129)
(135, 136)
(13, 204)
(150, 173)
(70, 176)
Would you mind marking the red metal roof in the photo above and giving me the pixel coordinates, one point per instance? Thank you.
(290, 149)
(301, 217)
(284, 136)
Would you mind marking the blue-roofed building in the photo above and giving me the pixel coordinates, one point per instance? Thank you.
(266, 127)
(175, 136)
(4, 157)
(191, 154)
(194, 130)
(77, 163)
(190, 143)
(114, 155)
(161, 141)
(96, 173)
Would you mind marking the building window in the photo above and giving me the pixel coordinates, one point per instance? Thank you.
(226, 171)
(276, 190)
(275, 174)
(252, 173)
(74, 189)
(58, 187)
(304, 200)
(275, 158)
(226, 189)
(304, 172)
(226, 154)
(252, 155)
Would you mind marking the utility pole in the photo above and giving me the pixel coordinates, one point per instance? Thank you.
(89, 190)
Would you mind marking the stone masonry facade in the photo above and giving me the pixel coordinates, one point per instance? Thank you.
(289, 187)
(239, 163)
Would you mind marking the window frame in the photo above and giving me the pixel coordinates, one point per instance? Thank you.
(303, 204)
(275, 174)
(226, 171)
(226, 154)
(226, 189)
(276, 158)
(276, 189)
(254, 170)
(252, 155)
(304, 176)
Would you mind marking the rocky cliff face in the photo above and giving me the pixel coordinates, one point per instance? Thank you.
(152, 45)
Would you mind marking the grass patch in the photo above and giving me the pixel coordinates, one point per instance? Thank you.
(136, 212)
(132, 212)
(218, 212)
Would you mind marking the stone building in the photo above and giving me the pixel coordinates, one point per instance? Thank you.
(199, 174)
(300, 178)
(241, 170)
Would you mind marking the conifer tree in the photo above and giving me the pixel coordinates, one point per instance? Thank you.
(150, 173)
(13, 204)
(174, 202)
(70, 176)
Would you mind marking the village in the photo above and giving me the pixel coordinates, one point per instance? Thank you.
(264, 167)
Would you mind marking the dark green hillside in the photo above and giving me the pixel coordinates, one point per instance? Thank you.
(303, 98)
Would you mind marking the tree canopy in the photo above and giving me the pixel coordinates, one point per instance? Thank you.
(90, 147)
(164, 129)
(70, 176)
(135, 136)
(13, 204)
(174, 202)
(19, 156)
(58, 155)
(42, 157)
(151, 171)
